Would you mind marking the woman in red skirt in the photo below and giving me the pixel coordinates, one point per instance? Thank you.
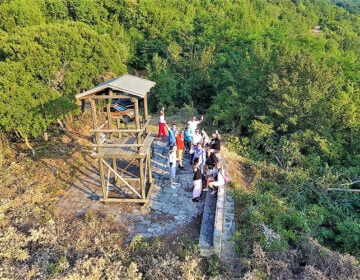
(162, 122)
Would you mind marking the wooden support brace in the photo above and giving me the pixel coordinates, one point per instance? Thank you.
(121, 178)
(142, 179)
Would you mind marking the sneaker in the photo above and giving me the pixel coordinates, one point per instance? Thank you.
(176, 184)
(195, 199)
(213, 192)
(173, 187)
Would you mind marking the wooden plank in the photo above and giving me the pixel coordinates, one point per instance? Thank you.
(133, 200)
(145, 125)
(129, 179)
(151, 188)
(116, 130)
(149, 166)
(103, 124)
(102, 179)
(107, 183)
(142, 177)
(126, 156)
(146, 145)
(115, 96)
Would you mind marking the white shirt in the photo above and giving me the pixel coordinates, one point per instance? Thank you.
(193, 125)
(197, 138)
(220, 178)
(172, 158)
(162, 119)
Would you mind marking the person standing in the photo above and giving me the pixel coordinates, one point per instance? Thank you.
(180, 148)
(194, 122)
(162, 122)
(172, 136)
(197, 138)
(219, 180)
(214, 145)
(197, 181)
(172, 166)
(188, 137)
(199, 153)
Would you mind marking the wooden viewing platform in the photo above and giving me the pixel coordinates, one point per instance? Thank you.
(123, 153)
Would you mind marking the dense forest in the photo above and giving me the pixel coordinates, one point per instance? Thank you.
(279, 78)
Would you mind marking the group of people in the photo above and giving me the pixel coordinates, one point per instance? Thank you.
(209, 173)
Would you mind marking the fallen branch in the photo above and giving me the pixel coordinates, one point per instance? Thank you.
(352, 183)
(343, 190)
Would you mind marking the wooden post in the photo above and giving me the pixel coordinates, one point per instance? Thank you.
(137, 118)
(102, 179)
(149, 166)
(118, 127)
(115, 168)
(142, 180)
(108, 110)
(146, 113)
(94, 121)
(98, 149)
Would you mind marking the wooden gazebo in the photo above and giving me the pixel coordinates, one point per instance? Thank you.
(122, 150)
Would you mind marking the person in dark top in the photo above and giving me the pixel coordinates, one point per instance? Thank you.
(214, 145)
(197, 181)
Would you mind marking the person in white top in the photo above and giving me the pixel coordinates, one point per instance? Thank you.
(219, 174)
(194, 123)
(197, 138)
(162, 122)
(172, 166)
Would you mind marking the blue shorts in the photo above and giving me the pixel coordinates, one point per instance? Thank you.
(172, 171)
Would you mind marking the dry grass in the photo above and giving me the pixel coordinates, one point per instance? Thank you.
(37, 243)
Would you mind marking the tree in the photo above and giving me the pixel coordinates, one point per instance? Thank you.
(46, 67)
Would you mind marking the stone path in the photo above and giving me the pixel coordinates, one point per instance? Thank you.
(168, 209)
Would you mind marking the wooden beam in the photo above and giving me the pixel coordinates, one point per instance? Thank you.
(132, 179)
(137, 119)
(122, 156)
(142, 179)
(93, 114)
(133, 200)
(115, 96)
(116, 130)
(149, 166)
(115, 168)
(107, 184)
(103, 124)
(146, 114)
(102, 179)
(108, 110)
(119, 176)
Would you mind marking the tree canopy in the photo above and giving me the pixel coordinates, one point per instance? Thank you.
(282, 78)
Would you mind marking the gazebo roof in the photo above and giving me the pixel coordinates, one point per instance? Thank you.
(130, 84)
